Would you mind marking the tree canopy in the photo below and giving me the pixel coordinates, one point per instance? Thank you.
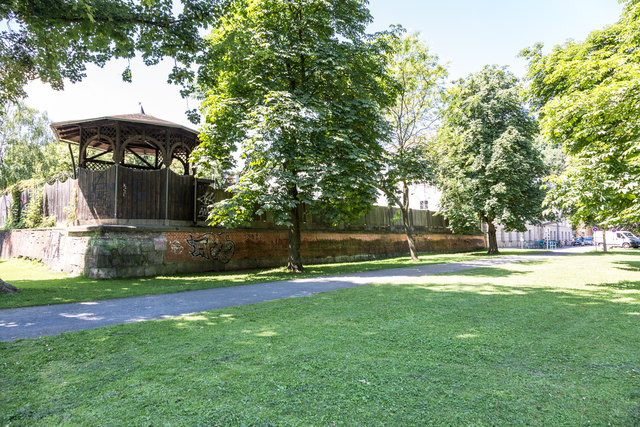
(53, 40)
(298, 88)
(587, 96)
(489, 169)
(27, 146)
(413, 116)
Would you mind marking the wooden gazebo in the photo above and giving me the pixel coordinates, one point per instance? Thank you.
(138, 141)
(130, 169)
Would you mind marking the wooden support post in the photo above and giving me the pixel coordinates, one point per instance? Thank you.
(195, 200)
(115, 197)
(73, 162)
(167, 163)
(166, 197)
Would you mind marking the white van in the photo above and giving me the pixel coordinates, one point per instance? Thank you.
(617, 238)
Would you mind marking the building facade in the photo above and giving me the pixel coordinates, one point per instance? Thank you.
(560, 231)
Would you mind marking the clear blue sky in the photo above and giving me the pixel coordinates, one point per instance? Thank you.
(467, 34)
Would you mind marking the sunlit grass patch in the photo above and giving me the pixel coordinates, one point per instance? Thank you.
(544, 343)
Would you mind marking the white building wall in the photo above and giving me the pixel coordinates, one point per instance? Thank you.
(561, 230)
(421, 196)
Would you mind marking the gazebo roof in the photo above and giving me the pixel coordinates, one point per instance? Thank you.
(69, 131)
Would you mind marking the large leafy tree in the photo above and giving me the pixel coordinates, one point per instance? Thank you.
(297, 87)
(489, 169)
(413, 118)
(53, 40)
(587, 95)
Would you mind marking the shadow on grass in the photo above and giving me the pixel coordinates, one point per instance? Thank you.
(629, 265)
(622, 285)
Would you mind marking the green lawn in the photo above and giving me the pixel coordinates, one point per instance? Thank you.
(41, 287)
(547, 342)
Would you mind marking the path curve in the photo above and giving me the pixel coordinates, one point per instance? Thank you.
(33, 322)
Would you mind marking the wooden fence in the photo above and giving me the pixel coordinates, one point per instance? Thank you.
(57, 197)
(124, 195)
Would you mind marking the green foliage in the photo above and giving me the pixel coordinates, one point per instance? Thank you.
(33, 210)
(297, 88)
(214, 171)
(420, 82)
(489, 169)
(587, 94)
(15, 213)
(28, 148)
(54, 40)
(48, 221)
(553, 155)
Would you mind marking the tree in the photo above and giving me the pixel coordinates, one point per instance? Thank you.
(489, 169)
(413, 115)
(27, 146)
(53, 40)
(299, 88)
(587, 98)
(553, 155)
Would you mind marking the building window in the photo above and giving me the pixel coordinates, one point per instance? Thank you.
(424, 204)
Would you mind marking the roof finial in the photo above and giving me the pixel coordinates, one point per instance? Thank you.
(141, 109)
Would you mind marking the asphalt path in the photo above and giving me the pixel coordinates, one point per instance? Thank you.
(33, 322)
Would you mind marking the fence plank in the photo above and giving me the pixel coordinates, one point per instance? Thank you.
(96, 194)
(57, 198)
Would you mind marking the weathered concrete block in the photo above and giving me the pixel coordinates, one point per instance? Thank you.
(101, 273)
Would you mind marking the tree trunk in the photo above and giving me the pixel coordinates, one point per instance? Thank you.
(604, 240)
(6, 288)
(493, 241)
(404, 208)
(294, 262)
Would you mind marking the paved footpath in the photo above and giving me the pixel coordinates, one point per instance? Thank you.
(33, 322)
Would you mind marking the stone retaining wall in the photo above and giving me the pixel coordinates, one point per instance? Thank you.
(123, 251)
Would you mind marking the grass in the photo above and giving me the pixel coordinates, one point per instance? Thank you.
(548, 342)
(40, 286)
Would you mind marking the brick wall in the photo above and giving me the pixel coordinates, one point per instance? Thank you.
(117, 251)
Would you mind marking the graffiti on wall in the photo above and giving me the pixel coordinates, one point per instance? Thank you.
(212, 246)
(176, 247)
(206, 200)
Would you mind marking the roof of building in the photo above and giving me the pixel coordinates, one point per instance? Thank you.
(69, 130)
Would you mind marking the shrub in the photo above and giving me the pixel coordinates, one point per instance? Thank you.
(15, 220)
(33, 210)
(49, 221)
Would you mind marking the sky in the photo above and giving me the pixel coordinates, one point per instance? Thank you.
(465, 34)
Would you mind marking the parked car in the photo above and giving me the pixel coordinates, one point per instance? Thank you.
(587, 241)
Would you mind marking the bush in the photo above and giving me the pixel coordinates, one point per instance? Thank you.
(49, 221)
(15, 220)
(33, 210)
